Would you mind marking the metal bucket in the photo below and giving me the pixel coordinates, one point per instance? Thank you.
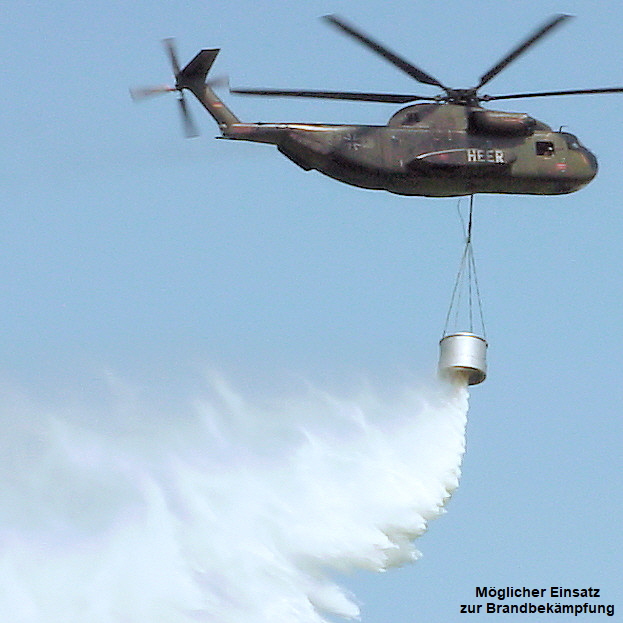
(463, 356)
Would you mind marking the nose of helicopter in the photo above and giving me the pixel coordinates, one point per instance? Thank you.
(586, 167)
(591, 161)
(583, 162)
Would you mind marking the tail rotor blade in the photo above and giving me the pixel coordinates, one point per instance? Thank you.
(190, 129)
(140, 93)
(169, 45)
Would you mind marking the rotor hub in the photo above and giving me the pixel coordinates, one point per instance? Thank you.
(463, 97)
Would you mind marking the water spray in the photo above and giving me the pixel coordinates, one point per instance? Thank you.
(223, 510)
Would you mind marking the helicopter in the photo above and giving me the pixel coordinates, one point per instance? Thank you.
(440, 145)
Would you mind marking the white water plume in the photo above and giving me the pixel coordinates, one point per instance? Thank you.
(220, 510)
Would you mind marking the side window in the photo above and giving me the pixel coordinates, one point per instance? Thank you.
(545, 148)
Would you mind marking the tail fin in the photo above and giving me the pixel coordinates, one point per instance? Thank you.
(193, 78)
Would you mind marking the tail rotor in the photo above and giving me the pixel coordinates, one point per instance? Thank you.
(193, 78)
(141, 93)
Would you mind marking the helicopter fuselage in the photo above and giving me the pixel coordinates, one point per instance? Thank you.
(436, 150)
(442, 146)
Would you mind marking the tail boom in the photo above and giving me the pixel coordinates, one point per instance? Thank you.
(193, 78)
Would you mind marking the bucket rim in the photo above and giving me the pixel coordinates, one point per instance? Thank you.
(464, 334)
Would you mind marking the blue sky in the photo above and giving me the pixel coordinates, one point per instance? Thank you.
(125, 247)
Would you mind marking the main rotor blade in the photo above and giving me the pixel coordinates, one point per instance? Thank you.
(522, 47)
(489, 98)
(390, 98)
(169, 45)
(412, 70)
(190, 129)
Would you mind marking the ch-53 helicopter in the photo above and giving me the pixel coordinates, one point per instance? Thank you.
(443, 145)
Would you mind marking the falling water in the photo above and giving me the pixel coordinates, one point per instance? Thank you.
(222, 509)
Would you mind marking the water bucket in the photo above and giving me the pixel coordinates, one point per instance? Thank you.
(463, 356)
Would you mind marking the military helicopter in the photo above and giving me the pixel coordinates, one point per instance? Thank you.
(439, 146)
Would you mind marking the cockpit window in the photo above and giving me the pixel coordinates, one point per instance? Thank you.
(572, 141)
